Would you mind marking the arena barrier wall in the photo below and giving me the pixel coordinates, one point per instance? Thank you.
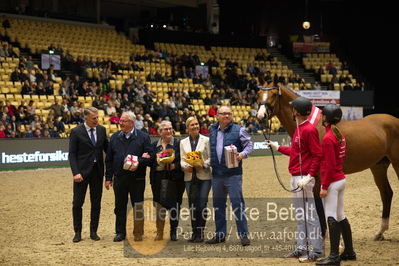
(38, 153)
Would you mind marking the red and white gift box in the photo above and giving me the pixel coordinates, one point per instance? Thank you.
(230, 155)
(131, 163)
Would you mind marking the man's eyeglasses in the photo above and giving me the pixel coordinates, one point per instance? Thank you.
(168, 129)
(124, 121)
(225, 113)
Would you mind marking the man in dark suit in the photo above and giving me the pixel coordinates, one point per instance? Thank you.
(128, 141)
(86, 145)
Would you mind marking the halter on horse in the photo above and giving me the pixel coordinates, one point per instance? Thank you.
(267, 117)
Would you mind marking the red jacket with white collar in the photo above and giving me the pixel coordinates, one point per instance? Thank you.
(305, 142)
(332, 159)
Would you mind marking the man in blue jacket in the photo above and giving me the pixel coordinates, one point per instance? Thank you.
(228, 181)
(128, 141)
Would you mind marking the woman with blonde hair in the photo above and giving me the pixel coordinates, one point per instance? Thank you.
(197, 176)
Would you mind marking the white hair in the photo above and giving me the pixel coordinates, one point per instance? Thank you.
(163, 124)
(131, 115)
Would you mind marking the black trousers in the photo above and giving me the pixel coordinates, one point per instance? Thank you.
(95, 182)
(123, 187)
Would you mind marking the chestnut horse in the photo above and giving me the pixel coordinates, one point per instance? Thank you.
(372, 142)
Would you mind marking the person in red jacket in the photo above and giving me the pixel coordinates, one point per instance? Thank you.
(333, 186)
(304, 163)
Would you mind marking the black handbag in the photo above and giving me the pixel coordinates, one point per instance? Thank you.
(168, 196)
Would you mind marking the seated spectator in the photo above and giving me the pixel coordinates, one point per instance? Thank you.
(46, 134)
(204, 130)
(139, 122)
(49, 88)
(180, 127)
(75, 112)
(212, 112)
(316, 85)
(37, 134)
(40, 90)
(114, 119)
(11, 108)
(16, 75)
(347, 86)
(28, 131)
(57, 108)
(99, 103)
(26, 89)
(145, 127)
(36, 121)
(29, 64)
(2, 131)
(59, 125)
(154, 129)
(110, 108)
(251, 129)
(21, 115)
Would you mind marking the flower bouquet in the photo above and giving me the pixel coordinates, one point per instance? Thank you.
(166, 156)
(194, 159)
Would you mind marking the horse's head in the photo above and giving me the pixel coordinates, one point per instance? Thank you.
(268, 99)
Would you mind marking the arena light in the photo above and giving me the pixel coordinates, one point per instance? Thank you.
(306, 25)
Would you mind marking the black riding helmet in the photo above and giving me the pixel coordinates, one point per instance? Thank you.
(302, 105)
(333, 113)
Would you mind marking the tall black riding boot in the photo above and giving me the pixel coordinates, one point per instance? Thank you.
(346, 231)
(335, 234)
(174, 223)
(201, 217)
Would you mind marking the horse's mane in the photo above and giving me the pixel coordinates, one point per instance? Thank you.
(288, 88)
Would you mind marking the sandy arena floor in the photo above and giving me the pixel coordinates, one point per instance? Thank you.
(36, 221)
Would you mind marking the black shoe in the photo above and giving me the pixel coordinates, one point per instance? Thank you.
(119, 238)
(348, 256)
(295, 254)
(193, 237)
(216, 240)
(199, 239)
(77, 238)
(94, 236)
(245, 241)
(330, 260)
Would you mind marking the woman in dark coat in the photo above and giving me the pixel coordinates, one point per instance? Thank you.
(158, 175)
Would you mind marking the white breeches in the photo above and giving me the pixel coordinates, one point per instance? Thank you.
(334, 202)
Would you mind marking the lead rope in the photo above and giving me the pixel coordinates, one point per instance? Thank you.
(267, 137)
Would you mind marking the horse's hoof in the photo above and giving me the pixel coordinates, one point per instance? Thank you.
(379, 237)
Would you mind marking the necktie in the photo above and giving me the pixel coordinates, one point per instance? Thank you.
(93, 139)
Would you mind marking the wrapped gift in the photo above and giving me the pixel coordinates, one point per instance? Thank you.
(194, 159)
(166, 156)
(131, 163)
(230, 155)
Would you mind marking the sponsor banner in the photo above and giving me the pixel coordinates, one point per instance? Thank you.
(311, 47)
(321, 97)
(36, 153)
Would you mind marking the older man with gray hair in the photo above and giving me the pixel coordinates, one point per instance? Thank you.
(128, 141)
